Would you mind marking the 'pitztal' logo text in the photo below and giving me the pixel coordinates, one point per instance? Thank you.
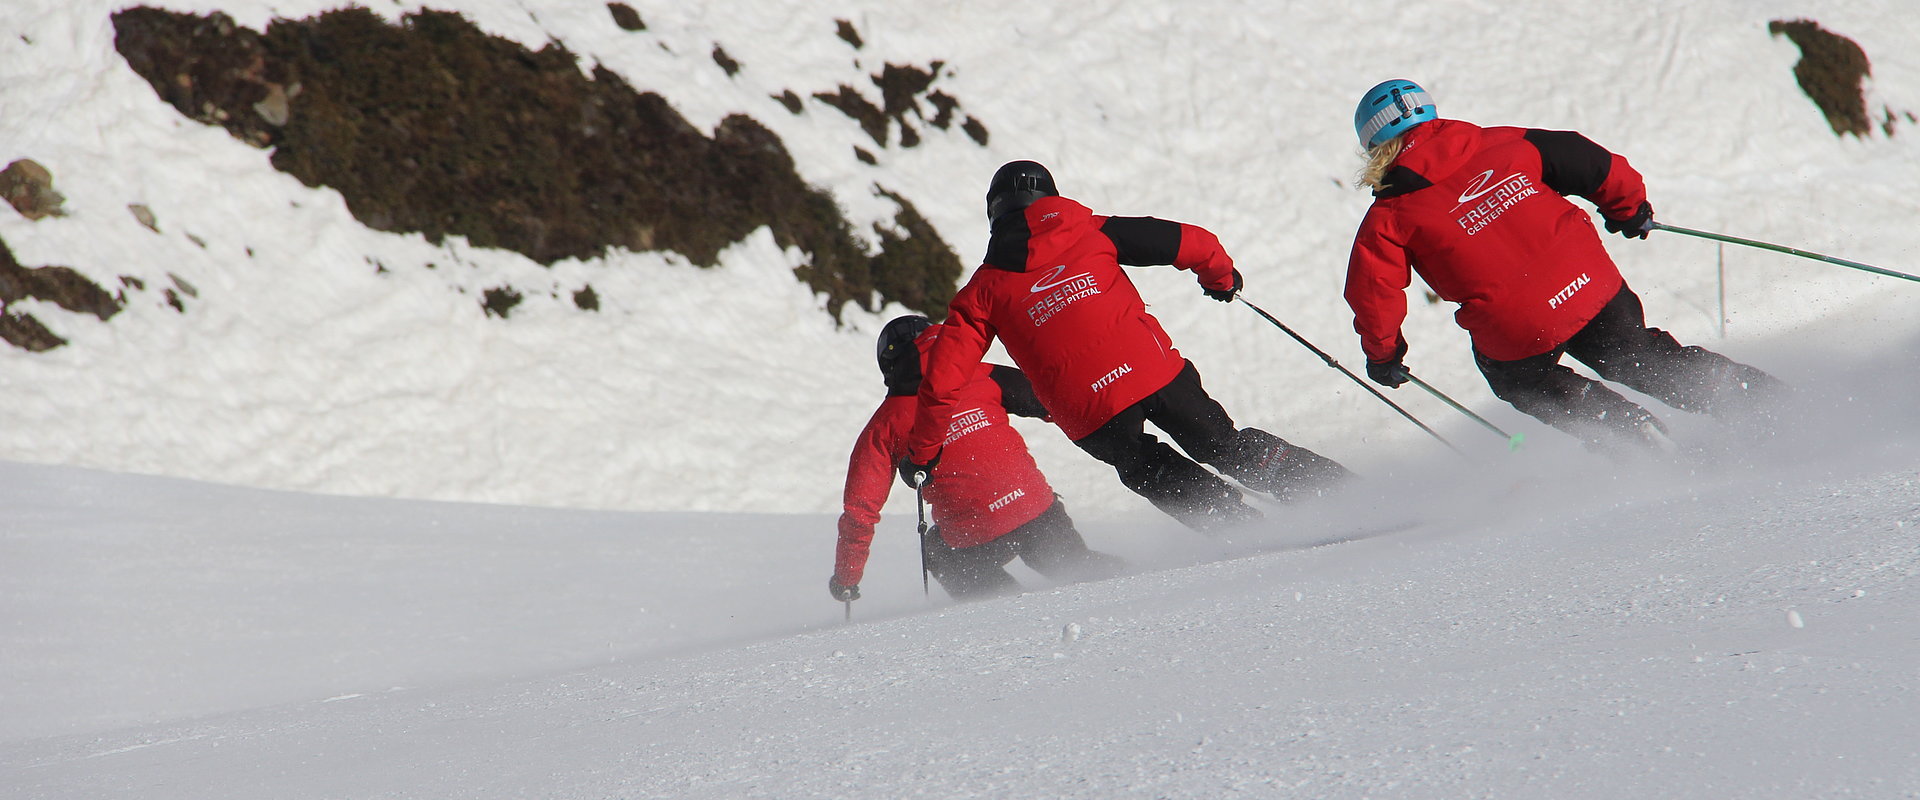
(1567, 293)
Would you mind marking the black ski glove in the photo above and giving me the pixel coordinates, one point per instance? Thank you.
(1636, 226)
(917, 475)
(841, 591)
(1226, 295)
(1391, 372)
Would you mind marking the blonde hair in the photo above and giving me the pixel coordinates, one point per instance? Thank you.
(1379, 158)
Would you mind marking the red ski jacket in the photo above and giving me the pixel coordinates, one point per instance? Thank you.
(1052, 291)
(987, 483)
(1480, 214)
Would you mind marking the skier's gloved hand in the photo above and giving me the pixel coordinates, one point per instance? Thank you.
(1226, 295)
(1636, 226)
(1391, 372)
(917, 475)
(841, 591)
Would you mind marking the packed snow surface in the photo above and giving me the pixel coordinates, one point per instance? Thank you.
(333, 532)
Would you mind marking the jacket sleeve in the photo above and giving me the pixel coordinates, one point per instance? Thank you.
(1378, 273)
(1016, 393)
(1149, 241)
(950, 365)
(1572, 164)
(869, 481)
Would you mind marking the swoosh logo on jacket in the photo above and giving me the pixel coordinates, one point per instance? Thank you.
(1054, 276)
(1482, 185)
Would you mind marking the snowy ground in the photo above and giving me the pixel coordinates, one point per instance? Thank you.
(1538, 625)
(1740, 626)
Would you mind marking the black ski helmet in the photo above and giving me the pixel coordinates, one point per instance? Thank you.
(1016, 186)
(899, 358)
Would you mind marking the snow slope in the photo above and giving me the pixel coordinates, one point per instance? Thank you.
(1546, 624)
(1542, 628)
(299, 365)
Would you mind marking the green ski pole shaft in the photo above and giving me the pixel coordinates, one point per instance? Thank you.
(1720, 237)
(1513, 440)
(1344, 371)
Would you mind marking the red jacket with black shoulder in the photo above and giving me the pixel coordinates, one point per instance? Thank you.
(1052, 291)
(1480, 214)
(987, 483)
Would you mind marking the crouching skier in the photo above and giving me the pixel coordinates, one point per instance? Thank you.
(990, 503)
(1052, 291)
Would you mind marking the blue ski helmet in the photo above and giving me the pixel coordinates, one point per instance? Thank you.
(1390, 109)
(1016, 185)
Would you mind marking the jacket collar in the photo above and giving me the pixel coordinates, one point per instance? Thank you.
(1433, 151)
(1040, 232)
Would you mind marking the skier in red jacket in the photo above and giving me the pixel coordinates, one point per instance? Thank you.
(1052, 291)
(1480, 214)
(991, 503)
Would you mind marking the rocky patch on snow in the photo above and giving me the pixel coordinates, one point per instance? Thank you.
(28, 187)
(1831, 71)
(60, 286)
(433, 126)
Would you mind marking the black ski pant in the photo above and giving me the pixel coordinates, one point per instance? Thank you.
(1619, 346)
(1048, 543)
(1195, 421)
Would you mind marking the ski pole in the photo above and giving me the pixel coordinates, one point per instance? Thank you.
(1661, 226)
(1513, 440)
(920, 502)
(1344, 371)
